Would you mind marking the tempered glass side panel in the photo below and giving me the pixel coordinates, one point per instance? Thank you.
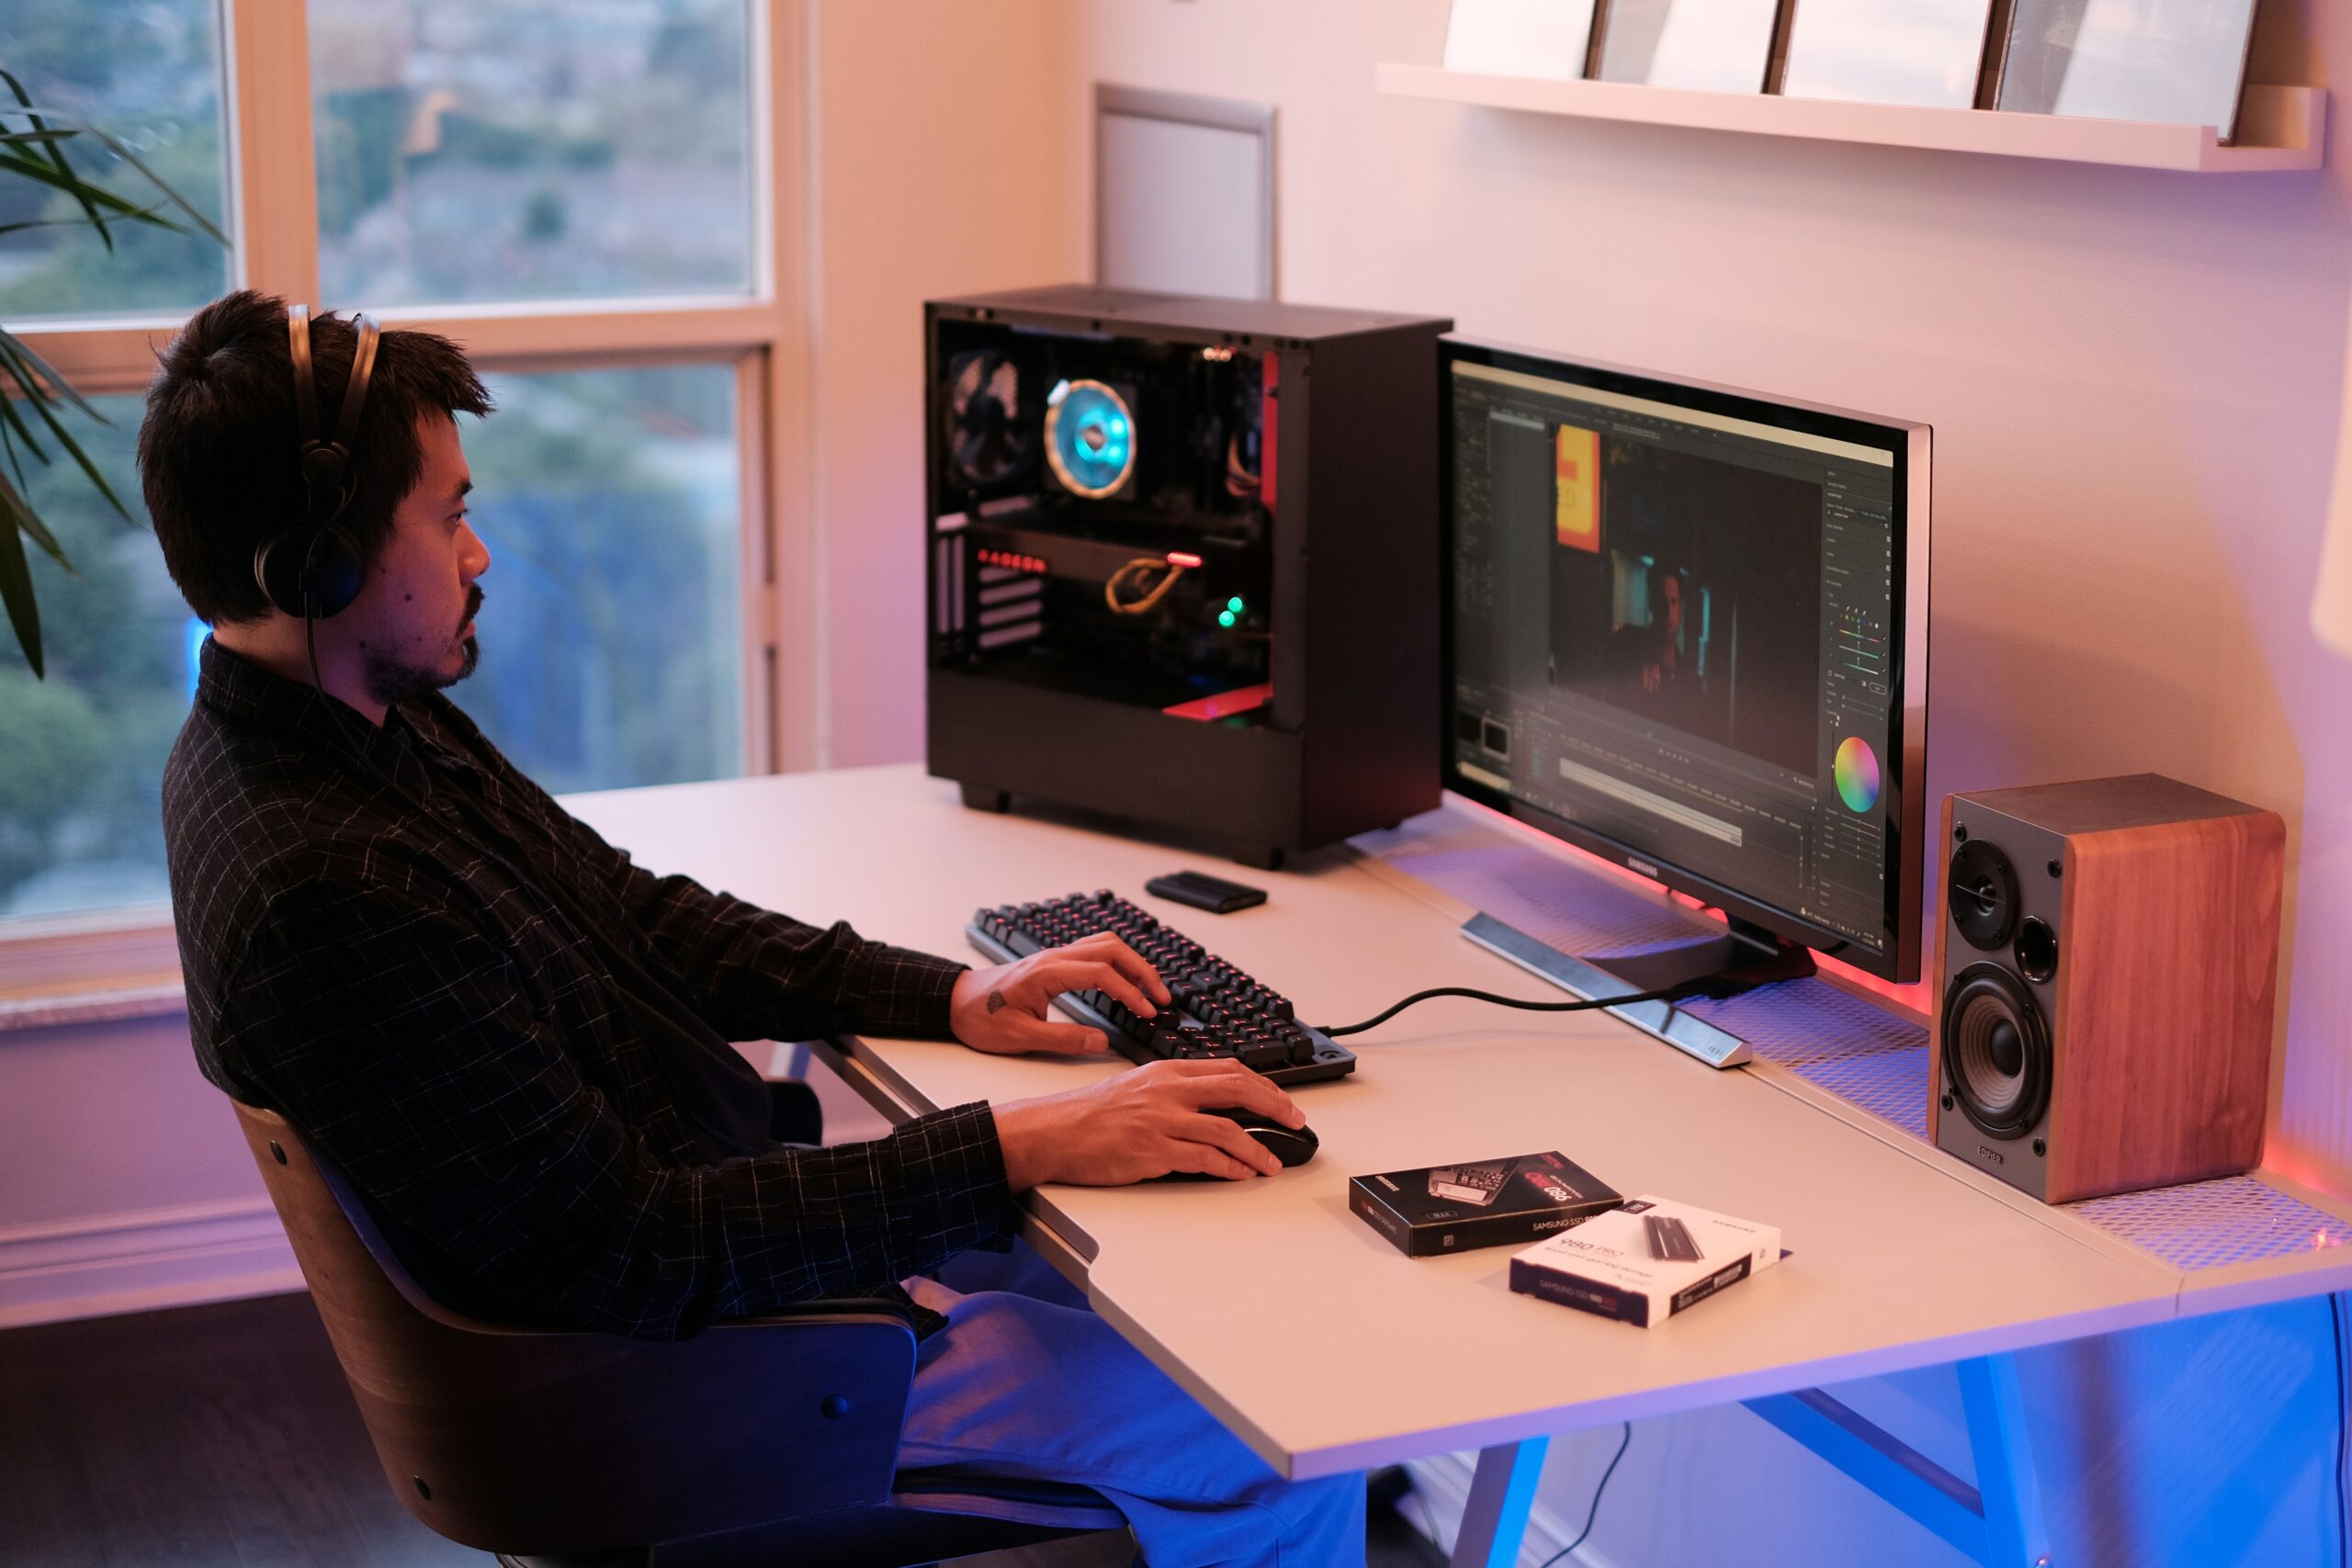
(1097, 515)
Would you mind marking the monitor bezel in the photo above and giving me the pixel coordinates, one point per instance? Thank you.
(1898, 959)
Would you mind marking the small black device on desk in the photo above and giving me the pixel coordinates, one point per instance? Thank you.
(1202, 891)
(1217, 1009)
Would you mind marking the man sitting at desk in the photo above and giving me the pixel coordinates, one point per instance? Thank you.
(514, 1042)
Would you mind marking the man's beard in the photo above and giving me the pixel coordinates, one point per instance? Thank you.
(391, 681)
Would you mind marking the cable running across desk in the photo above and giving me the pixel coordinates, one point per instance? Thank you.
(1669, 994)
(1218, 1010)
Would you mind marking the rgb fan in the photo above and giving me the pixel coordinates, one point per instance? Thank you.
(1089, 437)
(988, 440)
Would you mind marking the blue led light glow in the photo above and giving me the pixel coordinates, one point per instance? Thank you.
(1089, 437)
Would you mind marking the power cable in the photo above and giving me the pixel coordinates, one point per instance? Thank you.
(1594, 1512)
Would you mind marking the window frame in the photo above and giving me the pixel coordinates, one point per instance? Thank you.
(106, 956)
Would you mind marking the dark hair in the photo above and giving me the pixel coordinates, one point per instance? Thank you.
(217, 450)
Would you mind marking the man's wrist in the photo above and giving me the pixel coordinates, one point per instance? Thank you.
(1017, 1129)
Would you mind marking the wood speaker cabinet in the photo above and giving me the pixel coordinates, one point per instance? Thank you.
(2109, 959)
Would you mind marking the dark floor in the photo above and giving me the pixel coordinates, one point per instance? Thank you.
(222, 1436)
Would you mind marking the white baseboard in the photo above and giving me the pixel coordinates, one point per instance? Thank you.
(1441, 1484)
(103, 1264)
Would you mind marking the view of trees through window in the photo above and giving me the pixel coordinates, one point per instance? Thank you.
(151, 73)
(523, 148)
(469, 152)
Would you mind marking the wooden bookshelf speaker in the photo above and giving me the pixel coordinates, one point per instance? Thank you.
(2110, 956)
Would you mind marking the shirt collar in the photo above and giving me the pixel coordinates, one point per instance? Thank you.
(236, 687)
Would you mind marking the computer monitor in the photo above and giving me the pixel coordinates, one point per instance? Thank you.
(1687, 632)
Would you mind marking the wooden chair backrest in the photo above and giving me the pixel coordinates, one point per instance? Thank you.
(531, 1441)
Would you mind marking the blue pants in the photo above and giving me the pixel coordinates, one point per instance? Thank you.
(1027, 1381)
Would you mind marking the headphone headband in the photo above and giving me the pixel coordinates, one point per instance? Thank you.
(313, 568)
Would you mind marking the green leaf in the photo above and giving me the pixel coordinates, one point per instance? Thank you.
(18, 138)
(112, 145)
(89, 196)
(11, 420)
(17, 579)
(148, 212)
(29, 520)
(40, 379)
(82, 458)
(81, 190)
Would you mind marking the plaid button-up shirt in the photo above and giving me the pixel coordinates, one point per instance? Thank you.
(512, 1039)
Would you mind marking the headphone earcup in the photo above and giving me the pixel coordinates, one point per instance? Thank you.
(336, 577)
(333, 581)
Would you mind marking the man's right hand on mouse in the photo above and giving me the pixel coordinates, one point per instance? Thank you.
(1150, 1122)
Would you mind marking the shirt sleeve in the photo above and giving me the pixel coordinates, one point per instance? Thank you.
(411, 1048)
(758, 974)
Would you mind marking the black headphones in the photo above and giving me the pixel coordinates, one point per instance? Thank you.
(314, 570)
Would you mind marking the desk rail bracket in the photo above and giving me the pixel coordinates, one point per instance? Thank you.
(1996, 1522)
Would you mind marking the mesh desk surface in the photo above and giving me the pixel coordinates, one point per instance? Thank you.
(1871, 1058)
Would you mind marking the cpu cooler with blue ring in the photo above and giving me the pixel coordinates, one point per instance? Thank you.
(1090, 438)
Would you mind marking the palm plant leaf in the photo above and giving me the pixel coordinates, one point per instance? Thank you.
(82, 189)
(17, 576)
(13, 430)
(63, 175)
(27, 382)
(38, 377)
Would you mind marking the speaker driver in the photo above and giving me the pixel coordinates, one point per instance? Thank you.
(1982, 895)
(1089, 437)
(1996, 1051)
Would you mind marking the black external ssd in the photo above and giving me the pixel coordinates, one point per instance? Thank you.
(1202, 891)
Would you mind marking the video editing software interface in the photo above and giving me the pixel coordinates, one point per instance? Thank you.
(1674, 629)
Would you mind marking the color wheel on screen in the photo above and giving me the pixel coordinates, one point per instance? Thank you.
(1857, 773)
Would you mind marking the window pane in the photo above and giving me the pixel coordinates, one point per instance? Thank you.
(150, 76)
(512, 150)
(610, 627)
(610, 630)
(81, 753)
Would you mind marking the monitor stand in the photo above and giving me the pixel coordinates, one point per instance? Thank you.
(1744, 957)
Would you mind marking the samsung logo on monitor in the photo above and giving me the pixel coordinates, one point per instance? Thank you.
(1644, 867)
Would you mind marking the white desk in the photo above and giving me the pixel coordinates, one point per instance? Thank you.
(1899, 1256)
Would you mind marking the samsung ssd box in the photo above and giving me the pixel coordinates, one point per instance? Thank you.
(1645, 1260)
(1453, 1208)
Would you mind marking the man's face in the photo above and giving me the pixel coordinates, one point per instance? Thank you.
(1673, 586)
(414, 617)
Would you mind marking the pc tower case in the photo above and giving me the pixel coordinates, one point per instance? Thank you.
(1183, 561)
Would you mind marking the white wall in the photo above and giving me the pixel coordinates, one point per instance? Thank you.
(2134, 382)
(941, 171)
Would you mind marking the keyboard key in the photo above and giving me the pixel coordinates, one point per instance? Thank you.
(1239, 1018)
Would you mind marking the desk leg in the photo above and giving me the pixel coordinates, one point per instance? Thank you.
(1998, 1521)
(1503, 1490)
(2004, 1473)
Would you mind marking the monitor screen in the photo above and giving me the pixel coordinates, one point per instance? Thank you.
(1688, 632)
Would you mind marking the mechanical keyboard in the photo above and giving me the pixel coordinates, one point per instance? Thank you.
(1216, 1011)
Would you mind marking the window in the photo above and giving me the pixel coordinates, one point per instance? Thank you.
(585, 198)
(81, 752)
(150, 74)
(507, 150)
(608, 501)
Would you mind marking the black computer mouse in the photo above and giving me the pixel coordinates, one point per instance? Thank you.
(1292, 1146)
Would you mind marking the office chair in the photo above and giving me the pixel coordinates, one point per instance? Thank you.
(756, 1443)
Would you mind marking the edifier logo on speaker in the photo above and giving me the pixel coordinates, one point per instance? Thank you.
(1990, 1156)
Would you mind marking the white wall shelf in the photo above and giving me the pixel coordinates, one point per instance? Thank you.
(2280, 127)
